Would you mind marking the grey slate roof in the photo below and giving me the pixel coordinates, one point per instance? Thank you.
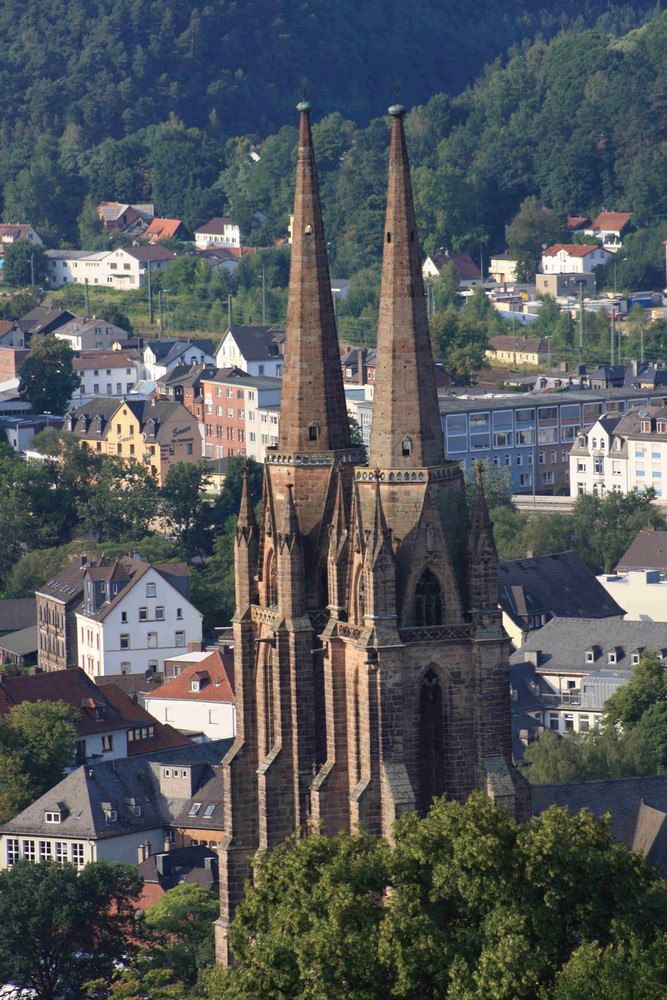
(168, 349)
(256, 343)
(81, 796)
(181, 864)
(648, 551)
(561, 644)
(559, 585)
(21, 643)
(638, 807)
(17, 613)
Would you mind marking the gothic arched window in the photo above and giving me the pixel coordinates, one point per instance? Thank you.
(272, 581)
(428, 600)
(431, 741)
(361, 599)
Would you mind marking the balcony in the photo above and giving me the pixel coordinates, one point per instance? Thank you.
(572, 697)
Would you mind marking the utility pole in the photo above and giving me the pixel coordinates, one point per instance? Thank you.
(642, 341)
(166, 292)
(150, 296)
(613, 333)
(87, 298)
(264, 296)
(229, 310)
(159, 296)
(32, 268)
(581, 320)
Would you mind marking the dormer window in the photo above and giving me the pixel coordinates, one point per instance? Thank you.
(590, 656)
(52, 817)
(582, 441)
(195, 685)
(662, 426)
(646, 426)
(611, 656)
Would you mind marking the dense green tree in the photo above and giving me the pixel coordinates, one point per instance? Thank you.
(179, 927)
(61, 927)
(497, 485)
(466, 904)
(36, 744)
(123, 503)
(533, 228)
(598, 754)
(184, 505)
(625, 971)
(24, 263)
(604, 527)
(48, 379)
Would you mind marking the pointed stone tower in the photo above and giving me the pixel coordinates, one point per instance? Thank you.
(371, 667)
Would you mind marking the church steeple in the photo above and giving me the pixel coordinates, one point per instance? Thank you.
(406, 431)
(313, 400)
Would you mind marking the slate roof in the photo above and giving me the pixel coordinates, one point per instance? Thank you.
(463, 263)
(256, 343)
(638, 807)
(150, 253)
(647, 551)
(562, 643)
(559, 585)
(67, 585)
(81, 325)
(508, 343)
(214, 227)
(132, 684)
(144, 410)
(168, 349)
(81, 795)
(181, 864)
(130, 571)
(39, 319)
(215, 670)
(187, 375)
(17, 613)
(22, 642)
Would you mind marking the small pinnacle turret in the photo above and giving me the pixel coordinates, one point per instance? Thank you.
(406, 431)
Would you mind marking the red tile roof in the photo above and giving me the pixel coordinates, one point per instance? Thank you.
(72, 686)
(160, 229)
(577, 221)
(573, 249)
(613, 221)
(165, 738)
(215, 670)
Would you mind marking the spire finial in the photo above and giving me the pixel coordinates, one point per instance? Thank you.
(304, 103)
(397, 110)
(479, 468)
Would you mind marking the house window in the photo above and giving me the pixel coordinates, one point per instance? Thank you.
(51, 817)
(179, 639)
(553, 721)
(179, 612)
(77, 855)
(151, 590)
(152, 640)
(12, 851)
(61, 851)
(159, 614)
(584, 724)
(125, 640)
(143, 614)
(107, 743)
(569, 722)
(210, 809)
(123, 616)
(29, 850)
(45, 850)
(168, 715)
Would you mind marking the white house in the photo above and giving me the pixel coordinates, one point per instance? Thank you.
(573, 258)
(107, 373)
(642, 593)
(93, 334)
(199, 700)
(218, 232)
(11, 232)
(125, 267)
(162, 356)
(257, 350)
(620, 454)
(134, 616)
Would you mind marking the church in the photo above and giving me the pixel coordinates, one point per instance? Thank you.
(371, 666)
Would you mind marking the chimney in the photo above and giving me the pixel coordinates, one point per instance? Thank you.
(141, 853)
(161, 863)
(167, 845)
(195, 645)
(209, 862)
(360, 365)
(635, 366)
(530, 554)
(84, 561)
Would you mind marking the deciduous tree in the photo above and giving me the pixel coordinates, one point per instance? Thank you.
(48, 379)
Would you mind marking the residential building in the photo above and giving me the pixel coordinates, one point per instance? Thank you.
(199, 700)
(367, 633)
(573, 258)
(57, 603)
(175, 665)
(358, 365)
(502, 268)
(257, 350)
(106, 719)
(158, 434)
(532, 430)
(468, 272)
(91, 334)
(641, 592)
(218, 232)
(565, 285)
(165, 870)
(608, 227)
(162, 229)
(219, 258)
(123, 268)
(20, 647)
(185, 384)
(534, 590)
(134, 615)
(622, 454)
(637, 807)
(647, 551)
(107, 373)
(11, 232)
(580, 662)
(240, 415)
(41, 320)
(339, 288)
(163, 355)
(20, 430)
(519, 350)
(16, 612)
(108, 811)
(130, 219)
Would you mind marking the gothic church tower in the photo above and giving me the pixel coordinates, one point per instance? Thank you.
(371, 667)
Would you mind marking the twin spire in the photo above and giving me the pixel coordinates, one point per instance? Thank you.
(406, 432)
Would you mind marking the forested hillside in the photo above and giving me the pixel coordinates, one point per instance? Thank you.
(162, 101)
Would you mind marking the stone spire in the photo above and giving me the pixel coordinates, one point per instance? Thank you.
(246, 536)
(406, 431)
(291, 570)
(313, 400)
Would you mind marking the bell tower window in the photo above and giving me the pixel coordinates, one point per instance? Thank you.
(313, 432)
(406, 447)
(428, 600)
(272, 582)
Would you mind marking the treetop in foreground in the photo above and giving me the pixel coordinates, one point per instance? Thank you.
(465, 905)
